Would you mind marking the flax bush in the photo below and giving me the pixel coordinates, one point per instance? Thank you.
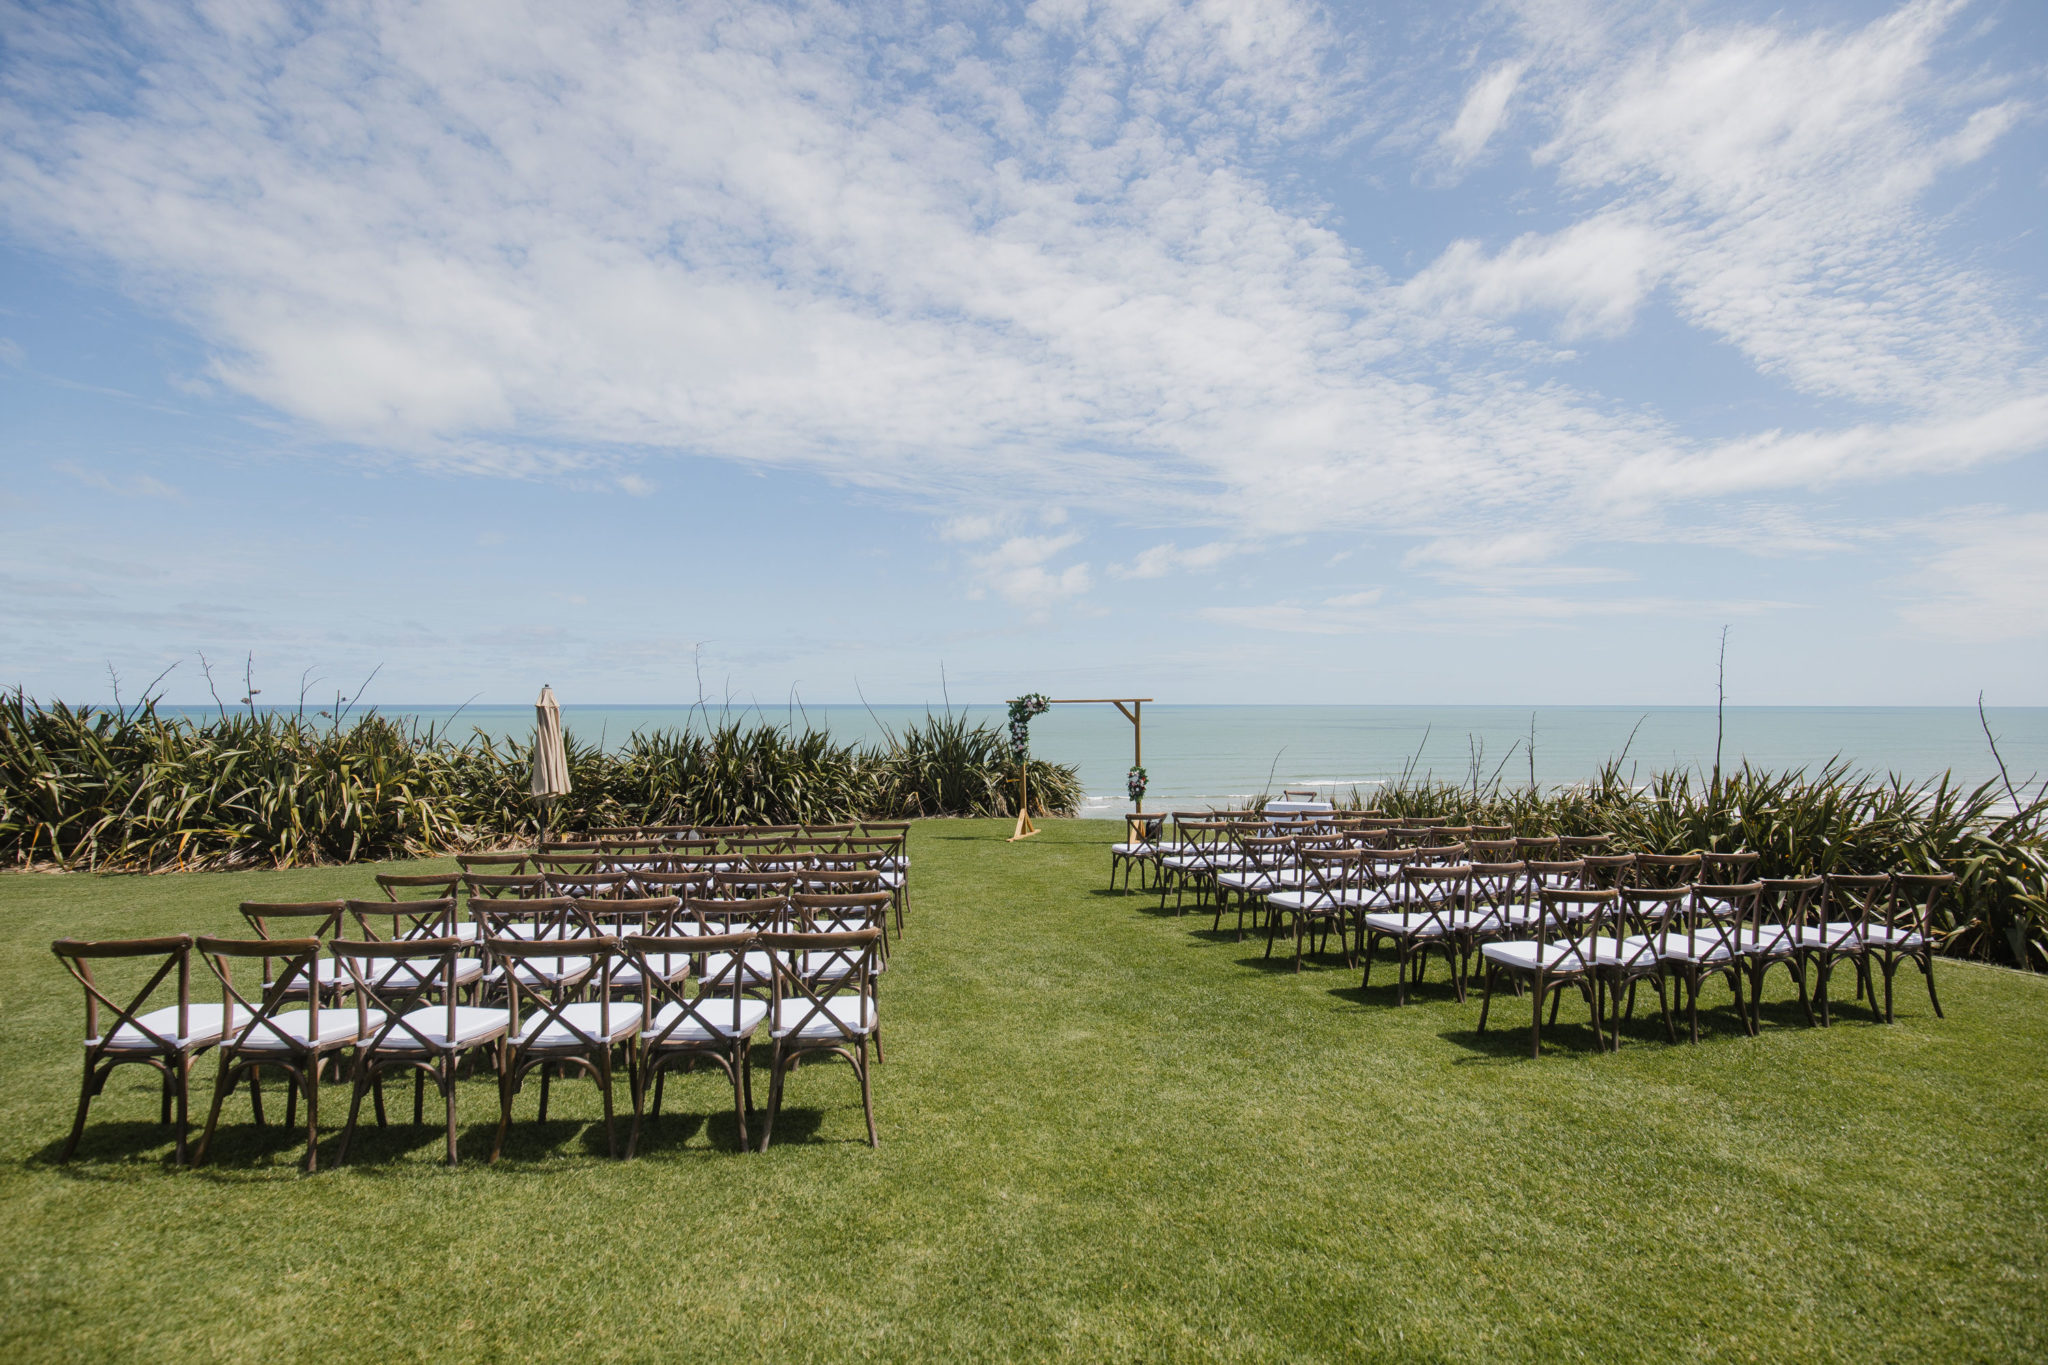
(130, 789)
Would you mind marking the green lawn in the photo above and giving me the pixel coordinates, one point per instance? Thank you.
(1105, 1133)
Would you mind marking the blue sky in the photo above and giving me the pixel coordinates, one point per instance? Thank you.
(1215, 352)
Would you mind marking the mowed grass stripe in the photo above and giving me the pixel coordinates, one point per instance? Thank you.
(1107, 1132)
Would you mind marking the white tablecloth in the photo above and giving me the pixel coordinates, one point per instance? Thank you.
(1299, 808)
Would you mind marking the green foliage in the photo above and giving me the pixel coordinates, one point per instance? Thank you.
(1836, 820)
(131, 789)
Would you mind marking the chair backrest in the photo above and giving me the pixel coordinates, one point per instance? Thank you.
(1852, 902)
(492, 886)
(814, 970)
(1610, 869)
(1435, 891)
(1667, 869)
(632, 915)
(739, 916)
(404, 919)
(1268, 852)
(1492, 850)
(395, 977)
(1583, 845)
(299, 978)
(1428, 821)
(1789, 902)
(1727, 868)
(405, 886)
(544, 918)
(1559, 874)
(496, 864)
(1538, 848)
(844, 880)
(1441, 855)
(1723, 913)
(740, 884)
(1914, 898)
(717, 1002)
(530, 994)
(1444, 835)
(1502, 885)
(1494, 832)
(837, 913)
(174, 952)
(294, 919)
(1651, 912)
(1333, 872)
(1574, 918)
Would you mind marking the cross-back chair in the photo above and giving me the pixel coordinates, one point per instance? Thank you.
(164, 1037)
(297, 1042)
(1568, 925)
(549, 1031)
(715, 1019)
(817, 1012)
(426, 1029)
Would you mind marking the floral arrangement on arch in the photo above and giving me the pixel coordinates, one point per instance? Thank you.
(1021, 712)
(1134, 783)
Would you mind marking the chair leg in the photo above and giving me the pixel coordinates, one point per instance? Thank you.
(255, 1074)
(448, 1088)
(222, 1082)
(1536, 1018)
(774, 1097)
(1927, 967)
(543, 1092)
(1486, 1003)
(312, 1083)
(184, 1075)
(867, 1095)
(504, 1109)
(637, 1079)
(742, 1091)
(84, 1103)
(360, 1082)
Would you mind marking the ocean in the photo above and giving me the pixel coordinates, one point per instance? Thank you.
(1197, 755)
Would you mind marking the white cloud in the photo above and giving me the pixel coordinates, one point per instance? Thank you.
(1018, 572)
(1983, 579)
(1481, 114)
(1159, 561)
(1052, 256)
(131, 486)
(1595, 273)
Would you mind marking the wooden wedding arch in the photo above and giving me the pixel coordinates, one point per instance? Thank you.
(1134, 712)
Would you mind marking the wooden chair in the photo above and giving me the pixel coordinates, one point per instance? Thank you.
(1328, 898)
(1667, 869)
(763, 914)
(302, 919)
(496, 864)
(1729, 869)
(1267, 864)
(1568, 922)
(166, 1037)
(1429, 895)
(1906, 933)
(1786, 910)
(298, 1042)
(1583, 845)
(424, 1030)
(1640, 921)
(715, 1020)
(819, 1012)
(1139, 849)
(549, 1031)
(1850, 904)
(1706, 940)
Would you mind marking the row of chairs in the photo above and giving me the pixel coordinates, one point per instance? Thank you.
(577, 950)
(1598, 920)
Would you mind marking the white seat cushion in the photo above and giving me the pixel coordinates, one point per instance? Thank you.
(202, 1022)
(1523, 955)
(845, 1008)
(667, 967)
(546, 1032)
(1631, 952)
(473, 1023)
(714, 1018)
(1700, 946)
(758, 967)
(1842, 937)
(545, 971)
(1408, 926)
(403, 974)
(1884, 936)
(337, 1025)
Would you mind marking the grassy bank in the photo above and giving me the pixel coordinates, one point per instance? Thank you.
(1106, 1133)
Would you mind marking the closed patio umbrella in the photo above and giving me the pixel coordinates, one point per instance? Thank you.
(550, 759)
